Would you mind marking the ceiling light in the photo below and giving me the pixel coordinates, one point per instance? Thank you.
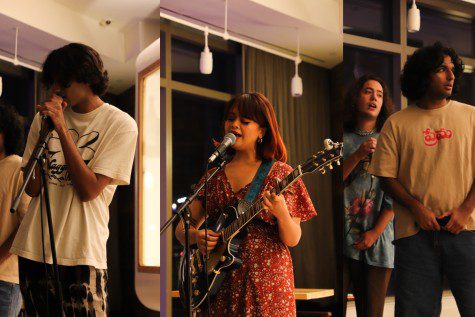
(226, 34)
(413, 18)
(296, 84)
(206, 59)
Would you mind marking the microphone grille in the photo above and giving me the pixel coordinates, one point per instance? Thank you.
(231, 137)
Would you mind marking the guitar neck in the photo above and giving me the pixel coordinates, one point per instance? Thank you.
(256, 207)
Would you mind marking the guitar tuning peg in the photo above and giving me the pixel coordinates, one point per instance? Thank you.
(323, 171)
(330, 166)
(338, 162)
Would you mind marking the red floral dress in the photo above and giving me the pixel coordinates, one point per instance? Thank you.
(264, 284)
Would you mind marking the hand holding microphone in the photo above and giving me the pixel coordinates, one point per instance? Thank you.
(367, 148)
(52, 112)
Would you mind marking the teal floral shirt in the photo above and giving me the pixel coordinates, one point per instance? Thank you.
(364, 200)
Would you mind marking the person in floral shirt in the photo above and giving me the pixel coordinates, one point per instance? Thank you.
(369, 254)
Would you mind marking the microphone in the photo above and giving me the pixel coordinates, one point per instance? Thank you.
(228, 140)
(47, 122)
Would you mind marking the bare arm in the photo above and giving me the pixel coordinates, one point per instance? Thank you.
(368, 238)
(33, 186)
(197, 236)
(361, 153)
(424, 216)
(5, 247)
(86, 183)
(289, 227)
(289, 230)
(349, 164)
(460, 216)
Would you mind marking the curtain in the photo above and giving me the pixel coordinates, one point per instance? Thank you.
(304, 123)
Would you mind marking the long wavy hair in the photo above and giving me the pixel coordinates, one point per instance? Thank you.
(351, 100)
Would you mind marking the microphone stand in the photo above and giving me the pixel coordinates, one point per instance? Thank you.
(185, 214)
(38, 157)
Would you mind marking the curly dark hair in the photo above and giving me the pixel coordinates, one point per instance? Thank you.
(415, 77)
(11, 128)
(351, 99)
(75, 62)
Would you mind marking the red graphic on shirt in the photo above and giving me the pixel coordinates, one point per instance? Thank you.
(431, 138)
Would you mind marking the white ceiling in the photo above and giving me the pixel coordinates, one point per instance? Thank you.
(122, 13)
(274, 22)
(48, 24)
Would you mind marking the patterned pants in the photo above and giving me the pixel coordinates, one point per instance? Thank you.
(83, 288)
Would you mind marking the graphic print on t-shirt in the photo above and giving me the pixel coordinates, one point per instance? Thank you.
(57, 168)
(432, 138)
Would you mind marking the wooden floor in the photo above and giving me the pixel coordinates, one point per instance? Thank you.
(449, 307)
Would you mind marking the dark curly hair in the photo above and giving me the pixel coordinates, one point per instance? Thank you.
(11, 128)
(75, 62)
(415, 77)
(351, 99)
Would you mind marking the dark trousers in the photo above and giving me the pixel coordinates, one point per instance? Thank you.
(370, 284)
(421, 261)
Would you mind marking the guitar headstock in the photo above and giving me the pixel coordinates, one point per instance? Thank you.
(331, 153)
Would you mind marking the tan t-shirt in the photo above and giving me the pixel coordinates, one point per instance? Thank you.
(11, 180)
(432, 154)
(106, 138)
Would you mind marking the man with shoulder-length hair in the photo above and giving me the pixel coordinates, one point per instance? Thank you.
(90, 152)
(426, 155)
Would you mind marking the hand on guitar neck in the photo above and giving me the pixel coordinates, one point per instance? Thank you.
(200, 238)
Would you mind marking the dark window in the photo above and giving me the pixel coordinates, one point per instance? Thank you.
(374, 19)
(451, 30)
(196, 122)
(359, 61)
(466, 92)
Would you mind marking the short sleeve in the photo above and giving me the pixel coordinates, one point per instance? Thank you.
(24, 200)
(387, 202)
(385, 161)
(17, 182)
(115, 158)
(298, 201)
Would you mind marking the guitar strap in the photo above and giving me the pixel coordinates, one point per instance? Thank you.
(256, 186)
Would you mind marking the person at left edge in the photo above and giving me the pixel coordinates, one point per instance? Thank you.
(11, 143)
(90, 152)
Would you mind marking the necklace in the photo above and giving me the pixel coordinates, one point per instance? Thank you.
(364, 133)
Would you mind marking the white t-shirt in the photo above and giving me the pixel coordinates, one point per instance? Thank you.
(106, 138)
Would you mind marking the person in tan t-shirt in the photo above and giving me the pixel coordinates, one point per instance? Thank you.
(11, 142)
(426, 156)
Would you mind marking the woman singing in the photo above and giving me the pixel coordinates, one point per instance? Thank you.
(264, 284)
